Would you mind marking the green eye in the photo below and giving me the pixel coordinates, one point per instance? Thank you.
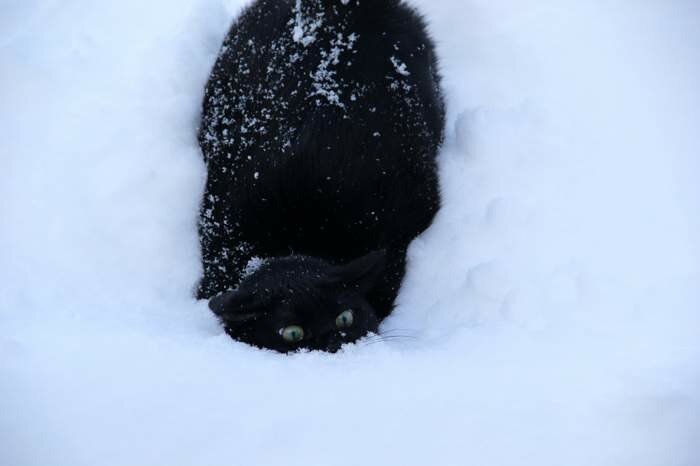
(292, 334)
(344, 319)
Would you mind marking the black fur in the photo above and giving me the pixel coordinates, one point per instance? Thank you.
(320, 127)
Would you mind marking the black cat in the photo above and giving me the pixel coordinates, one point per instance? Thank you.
(320, 127)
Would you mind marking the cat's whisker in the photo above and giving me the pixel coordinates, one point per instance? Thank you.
(369, 343)
(397, 334)
(396, 331)
(387, 338)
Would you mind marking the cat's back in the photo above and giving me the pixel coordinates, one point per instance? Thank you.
(323, 117)
(288, 67)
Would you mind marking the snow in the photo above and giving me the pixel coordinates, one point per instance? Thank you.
(304, 28)
(399, 66)
(549, 316)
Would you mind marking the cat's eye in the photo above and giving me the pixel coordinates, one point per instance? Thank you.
(344, 319)
(292, 334)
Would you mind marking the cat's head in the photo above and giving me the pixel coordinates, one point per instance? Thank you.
(296, 302)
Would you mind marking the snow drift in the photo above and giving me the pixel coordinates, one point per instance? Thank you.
(549, 316)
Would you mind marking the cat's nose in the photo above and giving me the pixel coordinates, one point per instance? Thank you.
(334, 343)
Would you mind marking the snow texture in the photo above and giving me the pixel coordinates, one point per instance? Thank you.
(550, 314)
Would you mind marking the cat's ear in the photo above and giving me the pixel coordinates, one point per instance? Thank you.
(231, 306)
(362, 273)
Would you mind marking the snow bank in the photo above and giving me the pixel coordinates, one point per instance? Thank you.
(549, 315)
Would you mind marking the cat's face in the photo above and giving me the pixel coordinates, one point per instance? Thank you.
(299, 302)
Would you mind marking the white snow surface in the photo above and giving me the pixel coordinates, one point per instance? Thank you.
(550, 313)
